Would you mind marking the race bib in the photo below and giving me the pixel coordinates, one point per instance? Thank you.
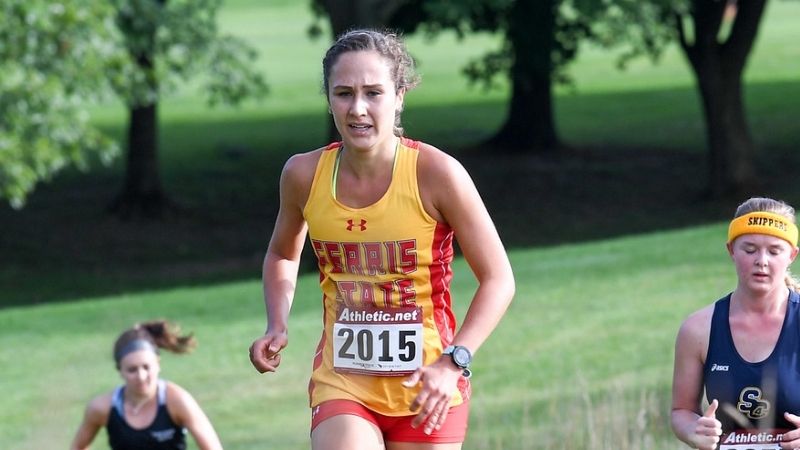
(373, 341)
(752, 440)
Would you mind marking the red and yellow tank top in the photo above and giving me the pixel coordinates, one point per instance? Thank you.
(385, 277)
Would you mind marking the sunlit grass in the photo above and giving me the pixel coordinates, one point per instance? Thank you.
(582, 357)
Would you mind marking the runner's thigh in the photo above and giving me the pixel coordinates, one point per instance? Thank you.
(421, 446)
(346, 432)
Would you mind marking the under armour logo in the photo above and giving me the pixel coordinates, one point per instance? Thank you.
(362, 226)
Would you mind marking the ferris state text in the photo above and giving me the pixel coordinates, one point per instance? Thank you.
(371, 259)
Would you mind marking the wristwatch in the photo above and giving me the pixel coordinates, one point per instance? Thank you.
(461, 357)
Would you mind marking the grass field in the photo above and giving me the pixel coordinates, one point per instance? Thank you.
(583, 355)
(612, 248)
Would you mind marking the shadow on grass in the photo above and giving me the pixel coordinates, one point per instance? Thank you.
(638, 166)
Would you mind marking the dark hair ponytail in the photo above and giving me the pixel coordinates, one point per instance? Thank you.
(153, 335)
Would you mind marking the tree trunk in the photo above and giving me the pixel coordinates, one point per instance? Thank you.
(730, 147)
(142, 194)
(348, 14)
(530, 123)
(718, 68)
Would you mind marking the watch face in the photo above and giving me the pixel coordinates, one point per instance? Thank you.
(461, 356)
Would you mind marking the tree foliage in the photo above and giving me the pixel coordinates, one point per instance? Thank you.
(716, 37)
(182, 40)
(53, 56)
(572, 25)
(58, 57)
(170, 42)
(538, 43)
(540, 38)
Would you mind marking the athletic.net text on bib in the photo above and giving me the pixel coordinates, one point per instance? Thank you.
(752, 440)
(378, 341)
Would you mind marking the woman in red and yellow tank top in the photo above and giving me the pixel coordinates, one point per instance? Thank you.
(381, 212)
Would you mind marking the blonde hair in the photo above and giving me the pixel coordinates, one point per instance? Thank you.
(781, 208)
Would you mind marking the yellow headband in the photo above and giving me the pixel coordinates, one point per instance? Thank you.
(763, 223)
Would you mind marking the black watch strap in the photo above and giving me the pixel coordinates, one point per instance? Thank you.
(461, 358)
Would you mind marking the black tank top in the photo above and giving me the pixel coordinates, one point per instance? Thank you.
(161, 434)
(753, 396)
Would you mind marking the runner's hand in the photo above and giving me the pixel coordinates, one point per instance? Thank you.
(791, 439)
(707, 429)
(265, 351)
(439, 382)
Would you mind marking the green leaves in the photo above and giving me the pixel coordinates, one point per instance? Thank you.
(174, 40)
(58, 57)
(43, 131)
(53, 57)
(231, 79)
(638, 28)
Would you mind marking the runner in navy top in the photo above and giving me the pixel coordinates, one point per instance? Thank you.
(147, 413)
(742, 350)
(753, 387)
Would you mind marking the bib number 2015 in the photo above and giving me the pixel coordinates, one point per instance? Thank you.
(391, 347)
(364, 346)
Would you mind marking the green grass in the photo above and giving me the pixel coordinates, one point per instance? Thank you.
(589, 336)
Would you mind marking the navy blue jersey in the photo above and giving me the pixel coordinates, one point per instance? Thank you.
(161, 434)
(753, 395)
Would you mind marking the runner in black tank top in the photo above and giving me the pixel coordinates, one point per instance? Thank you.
(161, 434)
(147, 412)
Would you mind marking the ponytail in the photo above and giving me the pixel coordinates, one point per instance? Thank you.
(168, 336)
(153, 335)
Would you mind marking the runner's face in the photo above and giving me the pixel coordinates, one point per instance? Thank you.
(140, 371)
(363, 99)
(761, 261)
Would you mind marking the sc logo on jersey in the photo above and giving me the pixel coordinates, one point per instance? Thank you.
(751, 404)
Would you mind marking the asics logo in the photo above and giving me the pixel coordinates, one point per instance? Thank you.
(719, 368)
